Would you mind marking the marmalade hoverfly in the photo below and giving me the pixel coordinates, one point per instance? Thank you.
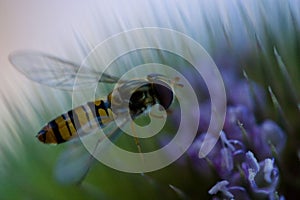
(58, 73)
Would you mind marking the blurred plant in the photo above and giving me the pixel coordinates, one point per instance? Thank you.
(256, 47)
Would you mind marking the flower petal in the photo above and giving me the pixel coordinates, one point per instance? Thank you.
(221, 187)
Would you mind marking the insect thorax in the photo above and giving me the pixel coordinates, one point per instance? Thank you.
(137, 97)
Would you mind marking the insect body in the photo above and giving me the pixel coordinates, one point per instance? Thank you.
(99, 113)
(129, 99)
(65, 126)
(137, 95)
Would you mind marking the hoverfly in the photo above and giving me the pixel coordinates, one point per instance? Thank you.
(59, 73)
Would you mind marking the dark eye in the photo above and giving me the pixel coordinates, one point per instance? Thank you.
(137, 96)
(164, 94)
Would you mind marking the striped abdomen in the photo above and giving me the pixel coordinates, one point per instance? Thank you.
(84, 118)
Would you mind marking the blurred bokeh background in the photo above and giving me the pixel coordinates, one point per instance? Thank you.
(259, 38)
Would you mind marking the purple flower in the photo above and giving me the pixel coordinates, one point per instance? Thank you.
(223, 157)
(272, 134)
(263, 177)
(221, 187)
(247, 94)
(236, 117)
(228, 192)
(268, 139)
(243, 158)
(242, 174)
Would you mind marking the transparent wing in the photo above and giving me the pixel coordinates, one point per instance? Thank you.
(74, 163)
(55, 72)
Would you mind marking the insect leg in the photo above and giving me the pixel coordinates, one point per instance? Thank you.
(137, 142)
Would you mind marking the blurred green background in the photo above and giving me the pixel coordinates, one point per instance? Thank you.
(261, 37)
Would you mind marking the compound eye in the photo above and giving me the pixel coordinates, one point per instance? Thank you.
(137, 100)
(164, 94)
(137, 96)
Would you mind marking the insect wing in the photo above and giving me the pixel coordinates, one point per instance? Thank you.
(56, 72)
(74, 163)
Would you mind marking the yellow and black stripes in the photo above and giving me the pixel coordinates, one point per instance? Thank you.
(85, 118)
